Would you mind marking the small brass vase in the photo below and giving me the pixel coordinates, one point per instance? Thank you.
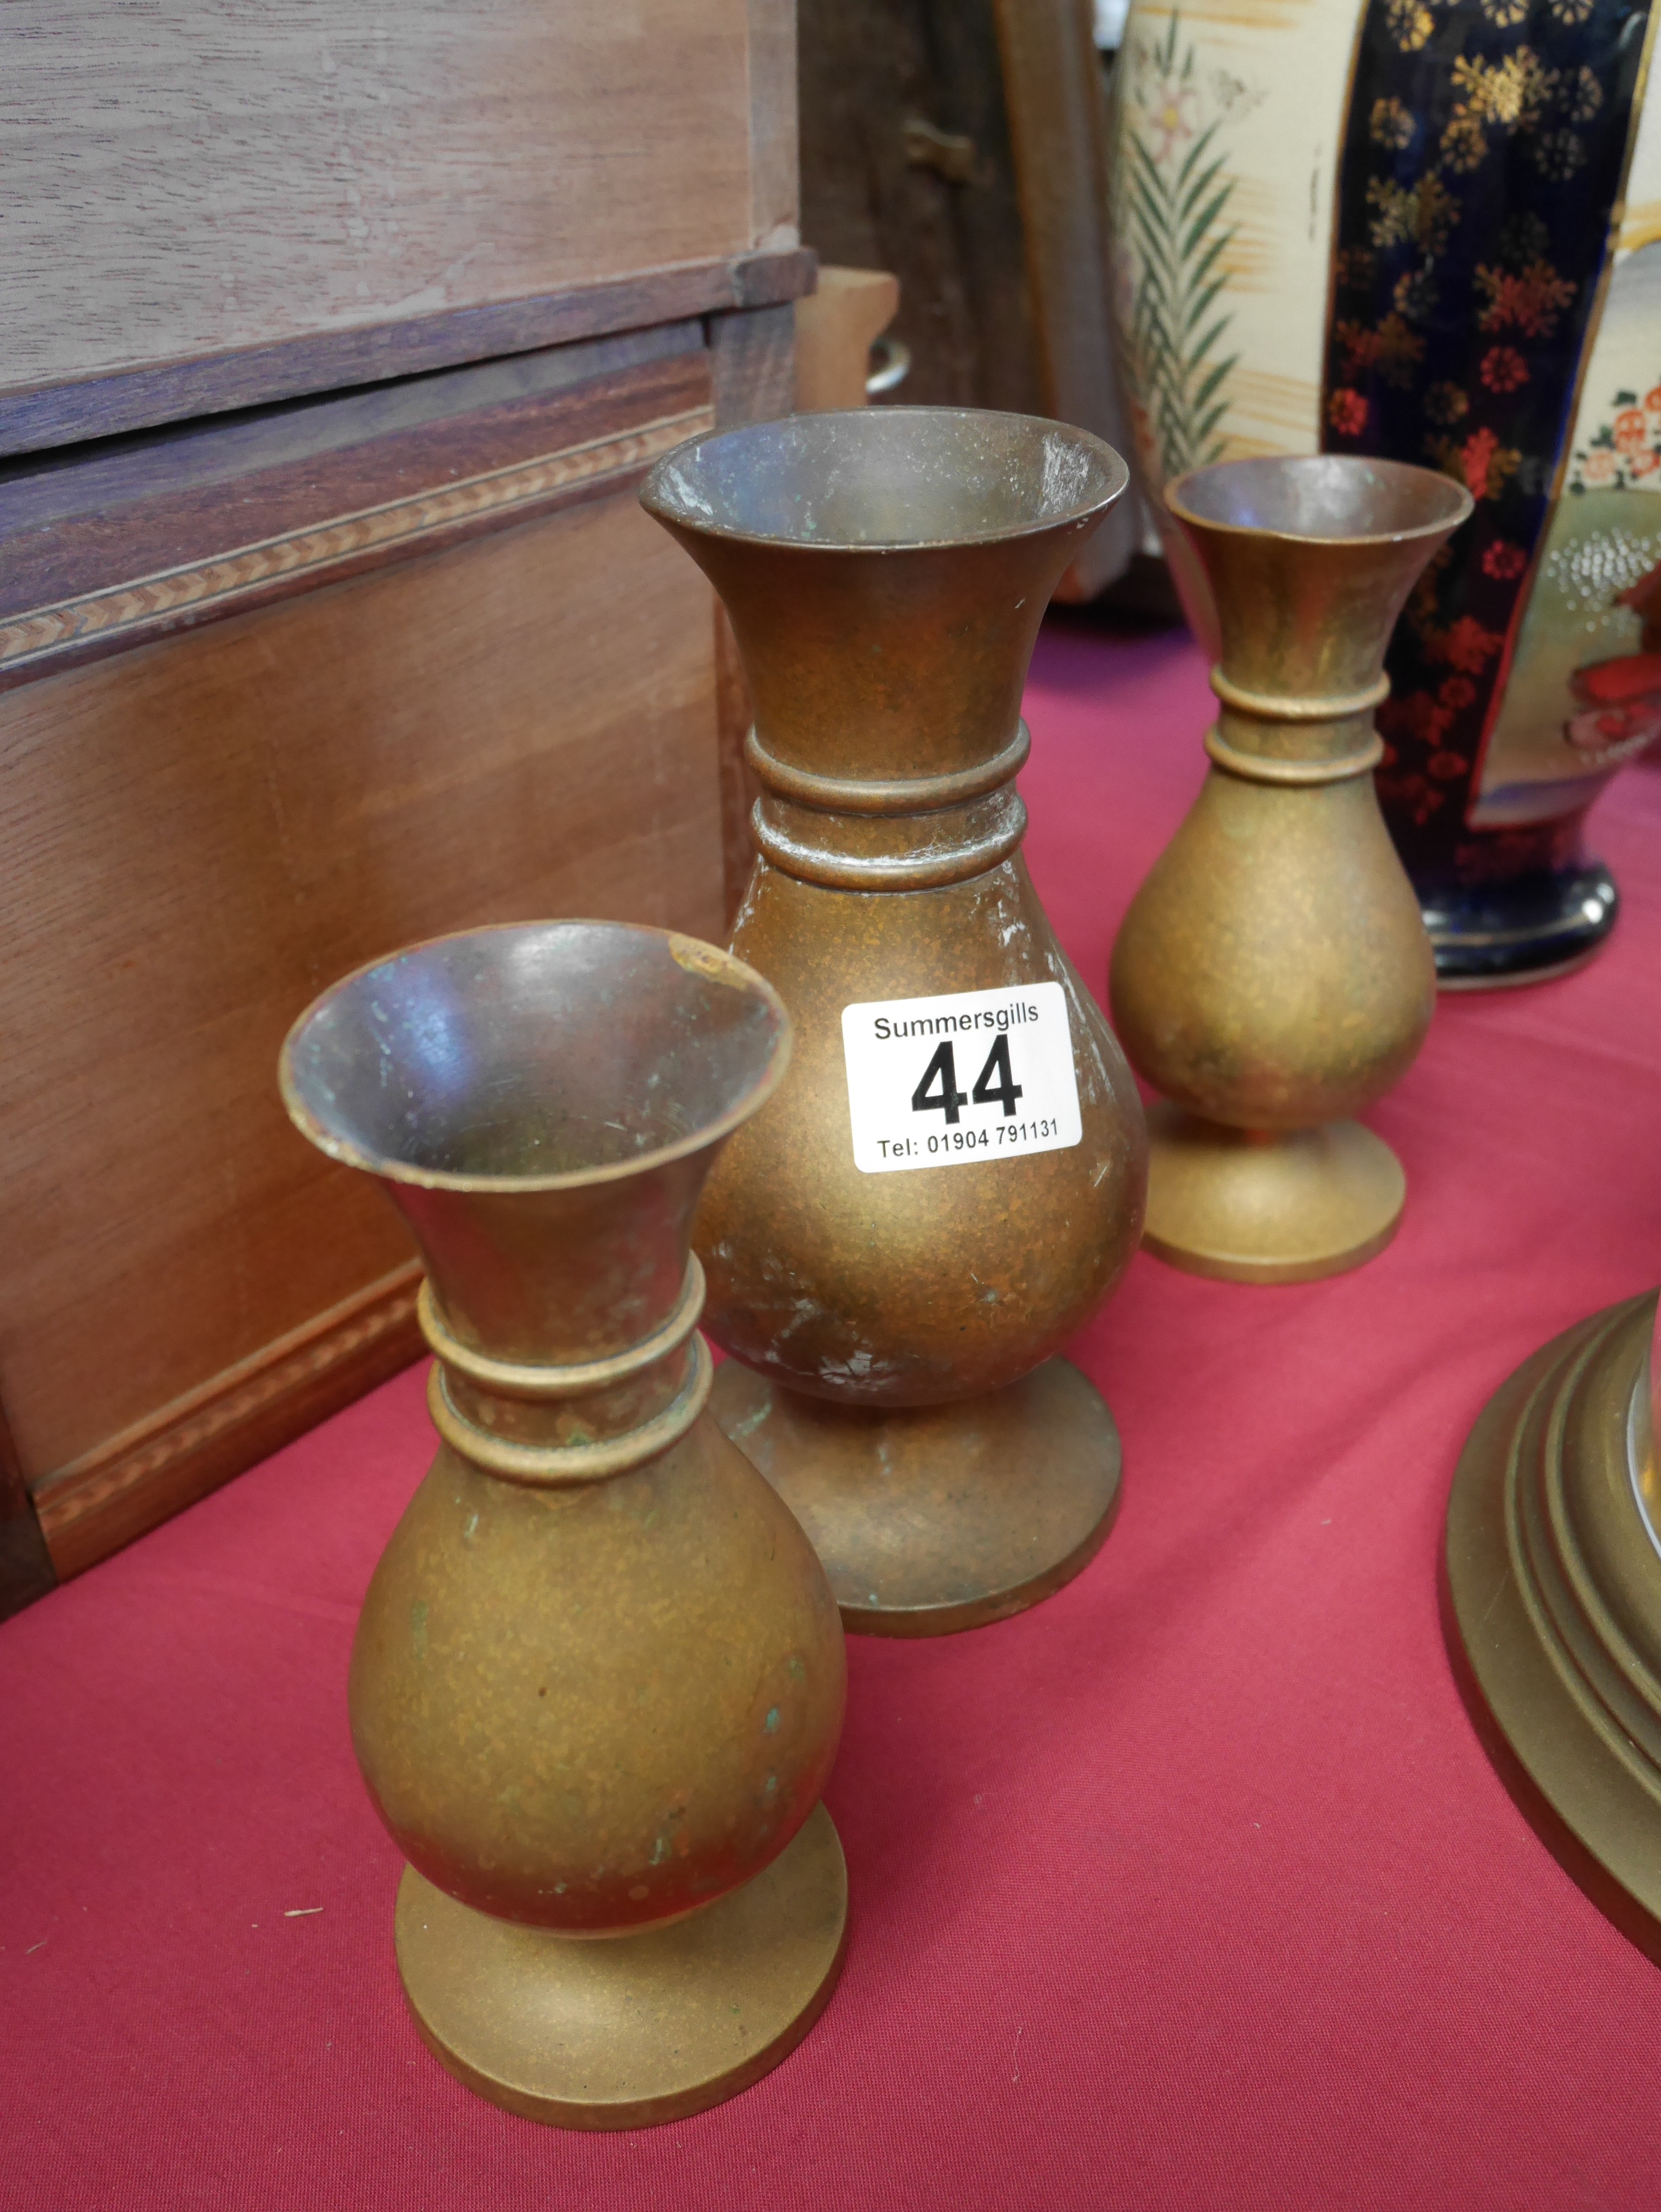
(598, 1681)
(1272, 977)
(950, 1181)
(1553, 1602)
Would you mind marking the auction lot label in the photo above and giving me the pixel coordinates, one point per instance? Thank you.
(949, 1082)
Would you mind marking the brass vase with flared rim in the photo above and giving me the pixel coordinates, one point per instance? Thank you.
(598, 1681)
(1272, 977)
(1552, 1602)
(885, 572)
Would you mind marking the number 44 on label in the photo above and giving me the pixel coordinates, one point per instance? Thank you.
(908, 1062)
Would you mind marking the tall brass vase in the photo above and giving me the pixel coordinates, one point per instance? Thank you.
(1553, 1602)
(897, 1315)
(1273, 976)
(598, 1681)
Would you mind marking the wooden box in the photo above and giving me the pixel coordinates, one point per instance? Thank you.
(331, 359)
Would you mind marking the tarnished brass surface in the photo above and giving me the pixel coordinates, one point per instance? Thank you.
(908, 1509)
(887, 572)
(599, 1677)
(642, 2028)
(1272, 973)
(1289, 1207)
(1554, 1603)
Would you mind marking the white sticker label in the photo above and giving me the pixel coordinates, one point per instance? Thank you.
(977, 1075)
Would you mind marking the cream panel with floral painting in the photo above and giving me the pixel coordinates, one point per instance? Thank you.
(1228, 123)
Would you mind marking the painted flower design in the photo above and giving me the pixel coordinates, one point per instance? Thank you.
(1512, 94)
(1410, 23)
(1481, 464)
(1173, 269)
(1415, 294)
(1504, 369)
(1422, 215)
(1392, 125)
(1652, 400)
(1465, 144)
(1468, 647)
(1393, 349)
(1446, 404)
(1170, 116)
(1515, 100)
(1631, 430)
(1421, 717)
(1586, 96)
(1503, 561)
(1356, 265)
(1558, 154)
(1531, 301)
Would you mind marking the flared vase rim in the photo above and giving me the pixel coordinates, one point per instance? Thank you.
(661, 510)
(1462, 505)
(707, 959)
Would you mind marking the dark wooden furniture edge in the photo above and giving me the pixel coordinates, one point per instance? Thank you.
(69, 413)
(26, 1569)
(140, 1478)
(140, 610)
(72, 1517)
(752, 360)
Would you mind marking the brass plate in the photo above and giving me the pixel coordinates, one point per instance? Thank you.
(624, 2031)
(932, 1518)
(1286, 1208)
(1553, 1608)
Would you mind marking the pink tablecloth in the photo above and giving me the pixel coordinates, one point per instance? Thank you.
(1191, 1889)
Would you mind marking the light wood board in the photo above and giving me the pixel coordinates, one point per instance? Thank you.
(202, 833)
(185, 178)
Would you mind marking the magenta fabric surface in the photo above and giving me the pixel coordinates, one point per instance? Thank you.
(1191, 1889)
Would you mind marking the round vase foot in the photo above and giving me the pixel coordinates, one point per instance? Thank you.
(933, 1518)
(1552, 1606)
(624, 2031)
(1250, 1209)
(1529, 929)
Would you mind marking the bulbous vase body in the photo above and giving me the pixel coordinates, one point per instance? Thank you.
(1272, 975)
(536, 1701)
(912, 1289)
(950, 1179)
(599, 1677)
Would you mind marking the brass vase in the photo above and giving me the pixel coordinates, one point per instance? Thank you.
(1553, 1602)
(598, 1681)
(950, 1181)
(1272, 977)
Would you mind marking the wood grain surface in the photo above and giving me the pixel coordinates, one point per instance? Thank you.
(183, 179)
(130, 539)
(200, 834)
(101, 405)
(869, 68)
(1055, 96)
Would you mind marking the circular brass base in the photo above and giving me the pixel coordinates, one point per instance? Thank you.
(1552, 1602)
(1251, 1208)
(624, 2031)
(933, 1518)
